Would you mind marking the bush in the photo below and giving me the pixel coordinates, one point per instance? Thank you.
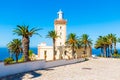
(116, 55)
(8, 60)
(31, 56)
(21, 59)
(116, 52)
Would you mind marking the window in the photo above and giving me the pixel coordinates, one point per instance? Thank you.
(60, 27)
(65, 52)
(45, 55)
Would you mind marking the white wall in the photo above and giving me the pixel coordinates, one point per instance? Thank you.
(29, 66)
(62, 62)
(20, 67)
(49, 52)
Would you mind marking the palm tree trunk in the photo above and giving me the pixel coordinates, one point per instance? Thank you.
(104, 50)
(90, 51)
(73, 51)
(54, 52)
(85, 50)
(115, 50)
(102, 53)
(25, 44)
(111, 50)
(16, 57)
(108, 55)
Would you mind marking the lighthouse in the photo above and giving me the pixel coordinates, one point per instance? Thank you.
(60, 29)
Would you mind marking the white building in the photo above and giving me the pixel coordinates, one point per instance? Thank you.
(46, 52)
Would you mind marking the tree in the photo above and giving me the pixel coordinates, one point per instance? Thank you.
(102, 43)
(86, 42)
(53, 35)
(105, 45)
(112, 39)
(115, 40)
(24, 31)
(72, 41)
(15, 47)
(99, 44)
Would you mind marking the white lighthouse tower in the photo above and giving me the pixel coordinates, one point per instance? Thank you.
(60, 28)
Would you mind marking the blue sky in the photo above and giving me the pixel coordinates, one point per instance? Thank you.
(93, 17)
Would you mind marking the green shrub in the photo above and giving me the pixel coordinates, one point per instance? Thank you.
(8, 60)
(116, 52)
(30, 52)
(31, 56)
(116, 55)
(21, 59)
(99, 55)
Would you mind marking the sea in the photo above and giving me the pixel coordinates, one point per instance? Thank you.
(4, 52)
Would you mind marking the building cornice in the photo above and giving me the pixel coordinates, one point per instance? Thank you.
(60, 21)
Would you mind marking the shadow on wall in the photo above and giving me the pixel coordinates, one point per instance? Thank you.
(21, 76)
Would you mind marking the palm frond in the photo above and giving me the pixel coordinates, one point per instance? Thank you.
(24, 31)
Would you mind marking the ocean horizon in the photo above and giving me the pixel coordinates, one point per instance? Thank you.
(4, 53)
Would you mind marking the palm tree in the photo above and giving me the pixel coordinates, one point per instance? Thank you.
(105, 43)
(111, 38)
(72, 41)
(26, 34)
(15, 47)
(102, 43)
(86, 42)
(115, 42)
(53, 35)
(98, 45)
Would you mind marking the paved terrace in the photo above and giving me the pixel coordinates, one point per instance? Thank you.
(94, 69)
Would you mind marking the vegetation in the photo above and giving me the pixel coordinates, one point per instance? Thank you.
(15, 47)
(116, 55)
(31, 56)
(72, 41)
(53, 35)
(8, 60)
(85, 42)
(106, 44)
(26, 34)
(21, 59)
